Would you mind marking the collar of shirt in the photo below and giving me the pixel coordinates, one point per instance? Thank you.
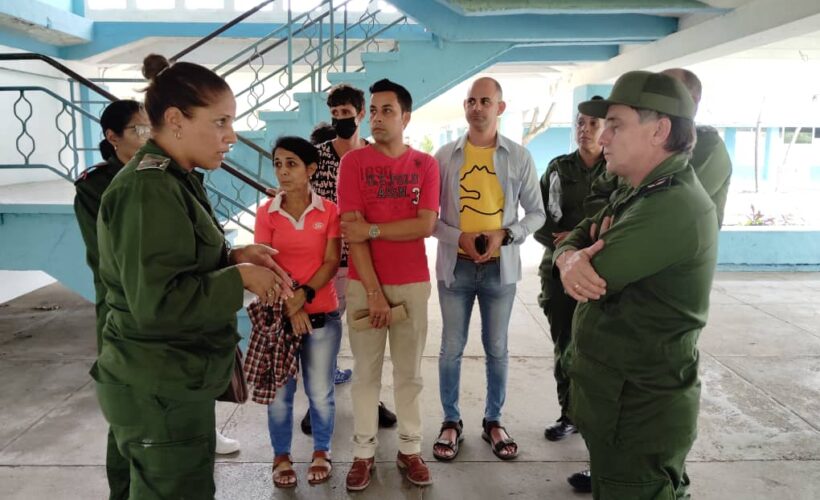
(315, 203)
(500, 142)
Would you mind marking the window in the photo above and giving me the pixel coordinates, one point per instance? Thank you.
(803, 137)
(155, 4)
(204, 4)
(300, 5)
(246, 5)
(106, 4)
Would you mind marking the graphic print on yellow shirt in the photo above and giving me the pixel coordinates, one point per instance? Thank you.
(482, 199)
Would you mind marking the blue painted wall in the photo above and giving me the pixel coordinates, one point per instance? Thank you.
(546, 146)
(66, 5)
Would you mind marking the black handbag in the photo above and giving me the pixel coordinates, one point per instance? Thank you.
(237, 390)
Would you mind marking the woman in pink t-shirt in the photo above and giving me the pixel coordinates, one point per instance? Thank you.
(304, 228)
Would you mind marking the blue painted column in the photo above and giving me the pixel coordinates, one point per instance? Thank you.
(772, 134)
(730, 138)
(585, 93)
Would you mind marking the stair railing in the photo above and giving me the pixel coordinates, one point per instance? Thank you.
(312, 44)
(67, 122)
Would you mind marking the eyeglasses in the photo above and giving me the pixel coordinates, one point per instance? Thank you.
(142, 131)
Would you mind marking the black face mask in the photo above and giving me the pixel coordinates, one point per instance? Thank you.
(345, 127)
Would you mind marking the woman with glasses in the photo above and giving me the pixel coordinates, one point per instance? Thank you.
(126, 128)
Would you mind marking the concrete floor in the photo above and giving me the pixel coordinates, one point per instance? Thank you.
(759, 423)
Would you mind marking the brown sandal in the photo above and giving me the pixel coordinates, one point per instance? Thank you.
(446, 443)
(499, 445)
(317, 469)
(281, 478)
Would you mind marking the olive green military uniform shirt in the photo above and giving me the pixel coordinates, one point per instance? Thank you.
(173, 297)
(713, 166)
(635, 359)
(711, 163)
(90, 187)
(564, 187)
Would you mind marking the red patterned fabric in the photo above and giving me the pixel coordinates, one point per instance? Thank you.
(273, 355)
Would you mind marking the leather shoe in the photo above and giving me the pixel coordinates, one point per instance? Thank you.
(562, 428)
(358, 478)
(386, 417)
(581, 481)
(416, 471)
(307, 428)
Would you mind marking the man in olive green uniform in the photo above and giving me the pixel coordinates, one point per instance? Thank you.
(710, 158)
(564, 187)
(642, 272)
(90, 187)
(168, 343)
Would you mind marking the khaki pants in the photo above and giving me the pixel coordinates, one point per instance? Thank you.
(407, 340)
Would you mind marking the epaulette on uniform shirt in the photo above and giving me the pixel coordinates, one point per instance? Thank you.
(153, 162)
(85, 173)
(659, 184)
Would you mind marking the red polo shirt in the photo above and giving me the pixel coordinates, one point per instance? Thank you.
(301, 243)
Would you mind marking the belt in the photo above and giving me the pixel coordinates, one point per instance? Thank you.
(464, 256)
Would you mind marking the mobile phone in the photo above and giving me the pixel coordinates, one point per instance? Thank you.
(481, 243)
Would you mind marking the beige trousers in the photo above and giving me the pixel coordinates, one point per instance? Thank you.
(407, 340)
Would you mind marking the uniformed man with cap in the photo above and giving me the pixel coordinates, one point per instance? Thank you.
(710, 158)
(641, 272)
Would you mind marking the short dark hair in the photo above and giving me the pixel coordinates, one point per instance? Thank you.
(342, 94)
(322, 132)
(182, 85)
(402, 95)
(114, 118)
(298, 146)
(682, 134)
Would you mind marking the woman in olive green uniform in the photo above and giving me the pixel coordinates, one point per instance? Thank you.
(126, 129)
(564, 186)
(173, 288)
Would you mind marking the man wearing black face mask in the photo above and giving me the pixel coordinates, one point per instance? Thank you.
(346, 105)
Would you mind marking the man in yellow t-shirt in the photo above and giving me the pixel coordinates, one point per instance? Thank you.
(485, 177)
(482, 200)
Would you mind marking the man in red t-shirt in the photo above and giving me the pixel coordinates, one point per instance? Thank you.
(389, 199)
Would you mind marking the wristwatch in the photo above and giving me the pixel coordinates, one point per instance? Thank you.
(310, 293)
(508, 237)
(374, 232)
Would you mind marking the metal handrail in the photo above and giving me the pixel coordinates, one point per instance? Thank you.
(329, 63)
(27, 56)
(286, 27)
(230, 24)
(52, 94)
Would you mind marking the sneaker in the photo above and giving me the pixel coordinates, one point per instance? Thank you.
(562, 428)
(386, 417)
(225, 445)
(342, 376)
(581, 481)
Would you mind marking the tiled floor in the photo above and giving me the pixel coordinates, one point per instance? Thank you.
(759, 424)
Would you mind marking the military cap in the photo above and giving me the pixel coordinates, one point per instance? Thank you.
(645, 90)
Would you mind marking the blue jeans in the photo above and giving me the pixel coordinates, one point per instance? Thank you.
(495, 305)
(317, 359)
